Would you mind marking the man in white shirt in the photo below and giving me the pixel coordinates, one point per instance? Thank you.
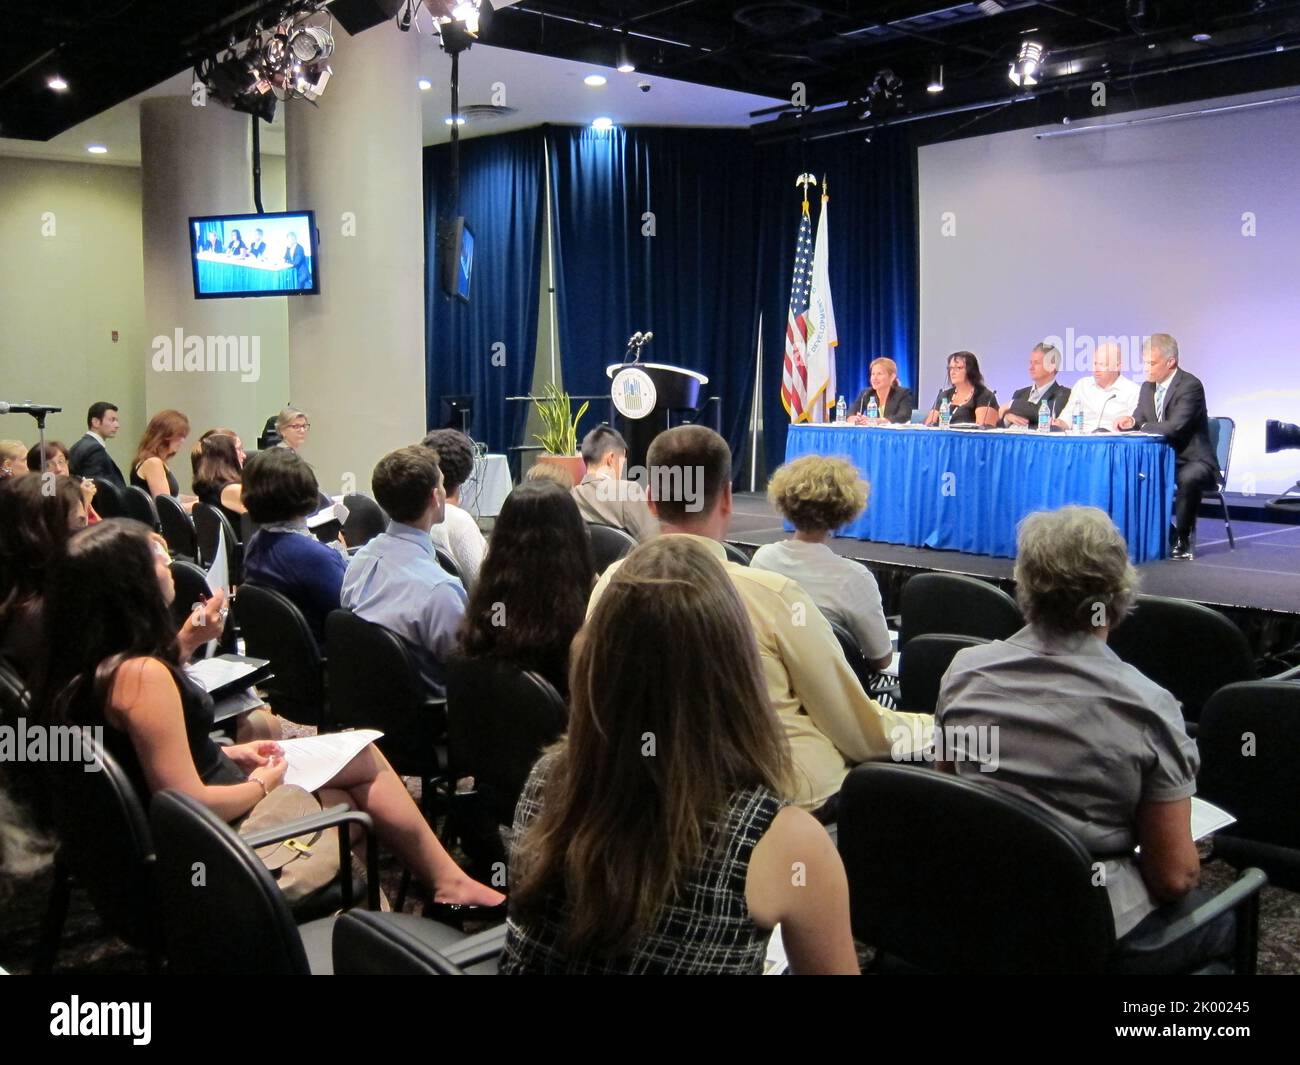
(458, 533)
(1105, 397)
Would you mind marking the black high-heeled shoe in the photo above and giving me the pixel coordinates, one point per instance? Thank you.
(458, 914)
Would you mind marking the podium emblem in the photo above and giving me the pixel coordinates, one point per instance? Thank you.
(633, 393)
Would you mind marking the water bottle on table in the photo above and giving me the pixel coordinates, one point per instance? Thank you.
(1044, 417)
(873, 411)
(841, 411)
(1076, 420)
(945, 413)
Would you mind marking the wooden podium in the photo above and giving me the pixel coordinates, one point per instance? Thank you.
(646, 395)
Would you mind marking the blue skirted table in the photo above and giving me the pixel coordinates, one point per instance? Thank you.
(217, 273)
(967, 489)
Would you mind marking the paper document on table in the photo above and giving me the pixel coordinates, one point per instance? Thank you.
(1208, 818)
(315, 760)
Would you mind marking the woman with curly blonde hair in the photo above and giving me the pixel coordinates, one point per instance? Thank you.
(818, 495)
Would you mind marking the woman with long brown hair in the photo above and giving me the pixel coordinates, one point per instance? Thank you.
(653, 838)
(163, 439)
(218, 462)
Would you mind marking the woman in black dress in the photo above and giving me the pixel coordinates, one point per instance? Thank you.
(970, 401)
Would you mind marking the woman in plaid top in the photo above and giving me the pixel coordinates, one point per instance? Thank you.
(652, 838)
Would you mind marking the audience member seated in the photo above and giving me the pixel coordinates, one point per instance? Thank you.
(293, 427)
(457, 533)
(970, 401)
(1083, 734)
(89, 456)
(13, 458)
(1024, 408)
(280, 491)
(1105, 397)
(830, 723)
(56, 463)
(603, 495)
(817, 496)
(531, 596)
(395, 580)
(894, 403)
(218, 459)
(550, 471)
(113, 587)
(163, 439)
(654, 837)
(36, 520)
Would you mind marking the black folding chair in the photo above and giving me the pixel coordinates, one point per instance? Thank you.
(274, 628)
(608, 544)
(105, 846)
(177, 527)
(880, 686)
(209, 526)
(108, 501)
(366, 520)
(956, 604)
(1222, 431)
(233, 919)
(921, 668)
(735, 553)
(914, 840)
(447, 563)
(374, 683)
(1249, 738)
(1188, 649)
(401, 944)
(139, 504)
(499, 719)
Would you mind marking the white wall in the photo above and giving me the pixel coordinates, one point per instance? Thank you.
(1126, 232)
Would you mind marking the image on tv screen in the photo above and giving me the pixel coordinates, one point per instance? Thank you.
(255, 255)
(465, 263)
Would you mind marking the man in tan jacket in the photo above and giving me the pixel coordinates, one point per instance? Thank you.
(830, 722)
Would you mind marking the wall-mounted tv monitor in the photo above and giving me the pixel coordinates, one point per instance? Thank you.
(255, 255)
(457, 259)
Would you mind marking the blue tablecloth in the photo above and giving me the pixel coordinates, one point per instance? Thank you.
(240, 277)
(966, 490)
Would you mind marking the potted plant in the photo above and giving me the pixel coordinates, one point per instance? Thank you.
(559, 438)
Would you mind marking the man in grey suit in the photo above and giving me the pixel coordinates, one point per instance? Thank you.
(602, 495)
(88, 456)
(1171, 403)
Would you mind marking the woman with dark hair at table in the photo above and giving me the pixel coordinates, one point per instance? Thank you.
(235, 245)
(969, 400)
(894, 403)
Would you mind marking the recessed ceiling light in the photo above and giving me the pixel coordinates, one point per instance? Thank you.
(935, 84)
(626, 67)
(57, 83)
(602, 124)
(1201, 38)
(459, 121)
(425, 84)
(594, 80)
(96, 149)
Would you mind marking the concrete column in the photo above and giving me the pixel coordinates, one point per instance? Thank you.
(197, 161)
(356, 351)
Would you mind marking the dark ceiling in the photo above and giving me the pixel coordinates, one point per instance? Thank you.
(1143, 50)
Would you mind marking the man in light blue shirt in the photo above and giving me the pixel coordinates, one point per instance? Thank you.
(395, 580)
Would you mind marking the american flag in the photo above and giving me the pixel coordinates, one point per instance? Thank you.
(794, 371)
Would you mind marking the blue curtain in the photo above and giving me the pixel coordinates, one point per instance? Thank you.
(501, 200)
(874, 254)
(655, 229)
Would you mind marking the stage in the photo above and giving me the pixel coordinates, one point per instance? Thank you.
(1257, 584)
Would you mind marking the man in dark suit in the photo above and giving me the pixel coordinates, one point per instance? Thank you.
(1044, 364)
(293, 255)
(1172, 404)
(258, 248)
(89, 457)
